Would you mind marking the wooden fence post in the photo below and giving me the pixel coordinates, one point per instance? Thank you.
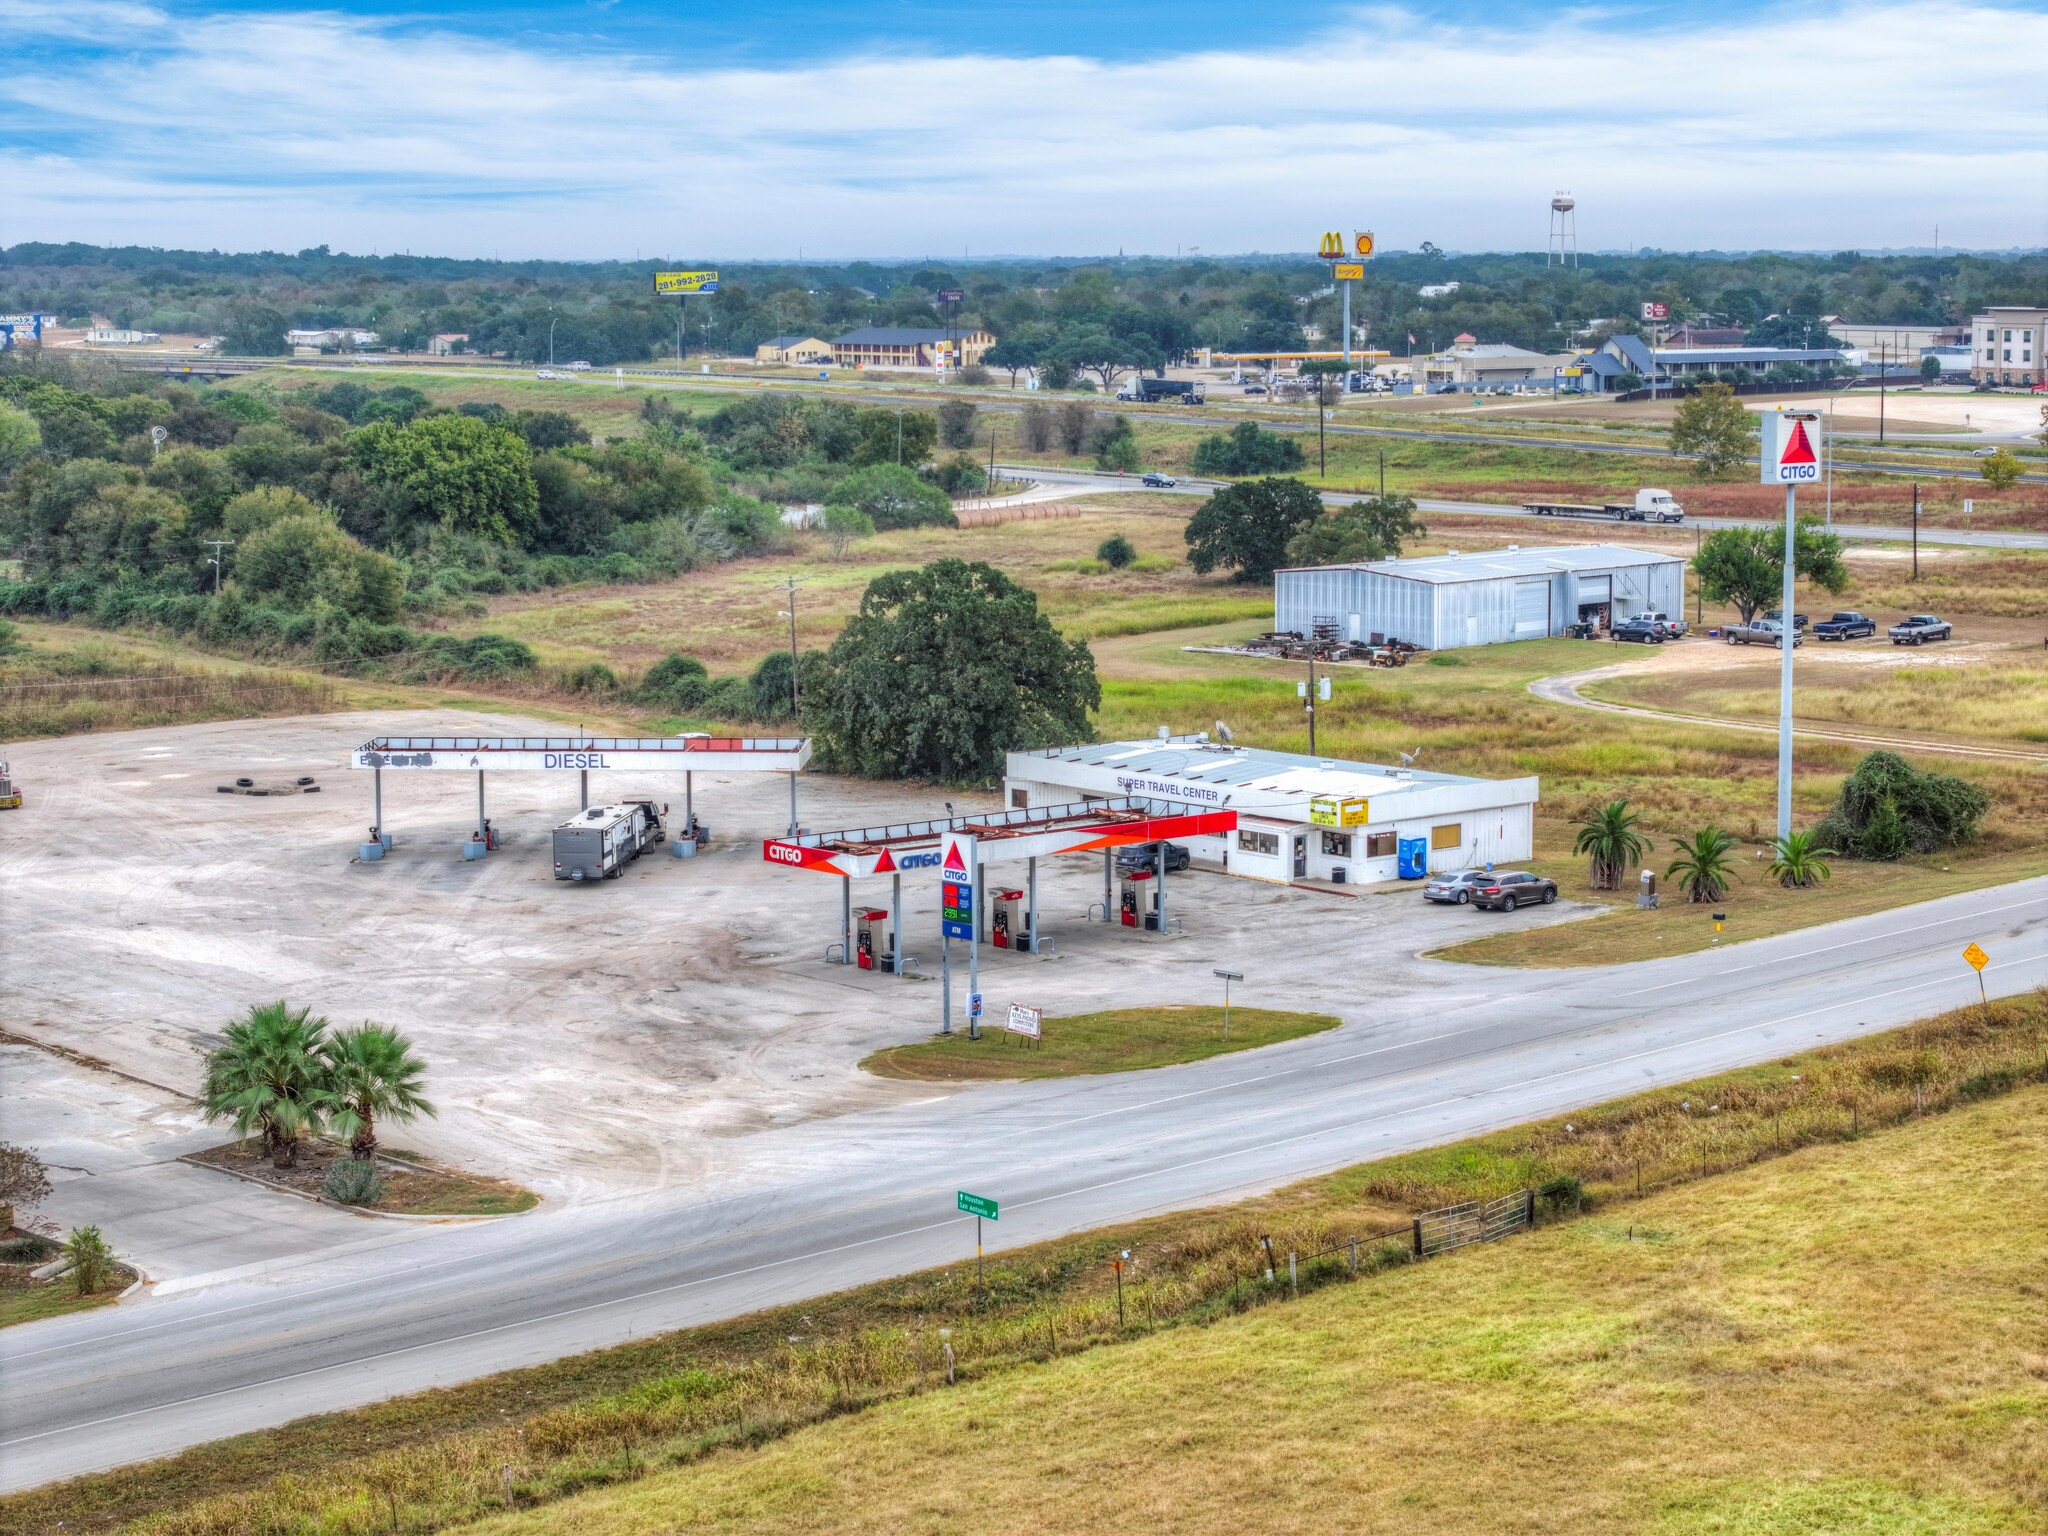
(1529, 1209)
(1418, 1237)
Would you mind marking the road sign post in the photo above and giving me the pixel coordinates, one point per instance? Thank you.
(1977, 961)
(981, 1208)
(1228, 978)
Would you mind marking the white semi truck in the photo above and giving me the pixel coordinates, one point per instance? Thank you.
(1650, 506)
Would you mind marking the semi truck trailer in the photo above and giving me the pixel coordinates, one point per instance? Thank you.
(1650, 506)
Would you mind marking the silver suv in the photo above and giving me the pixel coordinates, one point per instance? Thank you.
(1456, 888)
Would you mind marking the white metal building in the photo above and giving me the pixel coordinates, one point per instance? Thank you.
(1442, 601)
(1297, 817)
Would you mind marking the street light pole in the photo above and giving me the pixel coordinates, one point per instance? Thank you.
(795, 703)
(551, 343)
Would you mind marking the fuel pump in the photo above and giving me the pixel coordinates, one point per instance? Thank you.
(871, 939)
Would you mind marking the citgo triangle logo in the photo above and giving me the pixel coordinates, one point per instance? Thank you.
(1798, 447)
(953, 859)
(885, 864)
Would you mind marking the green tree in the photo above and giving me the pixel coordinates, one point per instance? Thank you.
(2001, 470)
(299, 559)
(1798, 860)
(676, 682)
(89, 1260)
(467, 476)
(1884, 836)
(371, 1074)
(1711, 428)
(842, 526)
(1611, 842)
(1373, 529)
(956, 423)
(1038, 427)
(1746, 566)
(1888, 808)
(253, 511)
(1074, 420)
(267, 1079)
(959, 476)
(1116, 447)
(1116, 552)
(894, 437)
(942, 671)
(24, 1183)
(1248, 450)
(1247, 527)
(894, 497)
(198, 478)
(254, 330)
(1015, 353)
(20, 439)
(1702, 868)
(548, 429)
(1930, 369)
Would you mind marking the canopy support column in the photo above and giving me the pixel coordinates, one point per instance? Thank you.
(1160, 849)
(586, 788)
(896, 923)
(1031, 898)
(689, 810)
(376, 805)
(846, 919)
(1108, 885)
(480, 805)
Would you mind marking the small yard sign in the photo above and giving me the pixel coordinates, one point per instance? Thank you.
(1025, 1021)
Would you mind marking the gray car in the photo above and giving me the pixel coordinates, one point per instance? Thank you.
(1456, 887)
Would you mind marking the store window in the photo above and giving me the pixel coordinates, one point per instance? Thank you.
(1450, 835)
(1379, 845)
(1337, 845)
(1267, 843)
(1019, 799)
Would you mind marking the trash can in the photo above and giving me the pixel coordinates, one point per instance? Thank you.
(1336, 874)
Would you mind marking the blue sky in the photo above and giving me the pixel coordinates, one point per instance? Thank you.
(907, 128)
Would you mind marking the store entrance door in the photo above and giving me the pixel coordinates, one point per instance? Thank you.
(1300, 856)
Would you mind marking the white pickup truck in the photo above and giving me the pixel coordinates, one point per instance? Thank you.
(1650, 506)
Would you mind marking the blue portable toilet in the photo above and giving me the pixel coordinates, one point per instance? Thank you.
(1414, 857)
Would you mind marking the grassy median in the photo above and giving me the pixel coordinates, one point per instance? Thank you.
(1120, 1040)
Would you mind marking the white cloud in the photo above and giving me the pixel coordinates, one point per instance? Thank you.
(1823, 128)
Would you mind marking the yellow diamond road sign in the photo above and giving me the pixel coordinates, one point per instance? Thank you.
(1977, 958)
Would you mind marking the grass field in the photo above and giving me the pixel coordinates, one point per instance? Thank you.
(66, 681)
(23, 1302)
(1121, 1040)
(1852, 1313)
(1843, 1341)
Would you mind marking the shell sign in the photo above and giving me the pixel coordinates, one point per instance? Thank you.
(1362, 242)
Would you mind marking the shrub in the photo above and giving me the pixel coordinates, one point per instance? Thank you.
(1563, 1193)
(1888, 808)
(1116, 552)
(353, 1181)
(976, 376)
(677, 681)
(1248, 450)
(92, 1261)
(591, 677)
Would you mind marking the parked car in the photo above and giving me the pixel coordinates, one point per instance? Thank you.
(1641, 631)
(1255, 389)
(1799, 620)
(545, 373)
(1455, 889)
(1760, 632)
(1505, 892)
(1159, 482)
(1844, 626)
(1672, 627)
(1140, 858)
(1919, 629)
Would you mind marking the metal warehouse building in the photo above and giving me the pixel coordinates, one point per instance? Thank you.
(1298, 818)
(1442, 601)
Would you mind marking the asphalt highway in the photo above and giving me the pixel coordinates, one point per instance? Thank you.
(815, 1207)
(1189, 486)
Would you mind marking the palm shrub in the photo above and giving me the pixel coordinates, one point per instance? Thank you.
(1610, 840)
(1797, 859)
(370, 1072)
(268, 1078)
(90, 1259)
(353, 1181)
(1702, 866)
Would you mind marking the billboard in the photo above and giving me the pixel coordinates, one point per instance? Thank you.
(1656, 311)
(1791, 447)
(685, 283)
(1345, 270)
(951, 295)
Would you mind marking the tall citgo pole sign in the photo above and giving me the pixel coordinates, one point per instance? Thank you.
(1791, 457)
(679, 286)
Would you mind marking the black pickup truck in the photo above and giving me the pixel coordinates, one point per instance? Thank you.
(1844, 626)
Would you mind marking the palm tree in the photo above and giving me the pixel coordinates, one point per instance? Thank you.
(268, 1078)
(1702, 865)
(1797, 862)
(371, 1071)
(1609, 837)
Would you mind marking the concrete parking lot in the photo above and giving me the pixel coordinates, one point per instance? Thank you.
(587, 1040)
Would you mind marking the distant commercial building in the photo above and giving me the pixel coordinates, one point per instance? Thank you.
(1895, 343)
(793, 349)
(909, 346)
(448, 343)
(1441, 602)
(2007, 340)
(1490, 364)
(1298, 818)
(114, 336)
(1684, 362)
(1706, 336)
(338, 336)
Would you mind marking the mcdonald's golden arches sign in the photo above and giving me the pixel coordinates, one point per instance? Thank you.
(1332, 247)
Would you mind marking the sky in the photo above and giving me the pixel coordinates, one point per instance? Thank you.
(762, 129)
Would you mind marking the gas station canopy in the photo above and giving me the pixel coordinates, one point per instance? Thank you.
(559, 754)
(1036, 833)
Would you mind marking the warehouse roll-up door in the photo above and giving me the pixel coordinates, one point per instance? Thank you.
(1596, 589)
(1532, 608)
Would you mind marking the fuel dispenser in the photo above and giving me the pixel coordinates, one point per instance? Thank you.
(1139, 907)
(1012, 918)
(871, 939)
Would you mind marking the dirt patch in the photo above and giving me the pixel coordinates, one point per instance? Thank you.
(410, 1188)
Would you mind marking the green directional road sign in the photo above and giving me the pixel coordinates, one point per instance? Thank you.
(977, 1205)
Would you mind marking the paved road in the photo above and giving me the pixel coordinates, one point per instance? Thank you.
(832, 1203)
(1189, 486)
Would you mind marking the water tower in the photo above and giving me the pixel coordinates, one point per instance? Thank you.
(1563, 245)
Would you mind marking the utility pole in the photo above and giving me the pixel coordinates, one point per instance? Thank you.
(1883, 351)
(1916, 530)
(1309, 695)
(795, 703)
(899, 434)
(1322, 456)
(221, 544)
(1383, 474)
(551, 343)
